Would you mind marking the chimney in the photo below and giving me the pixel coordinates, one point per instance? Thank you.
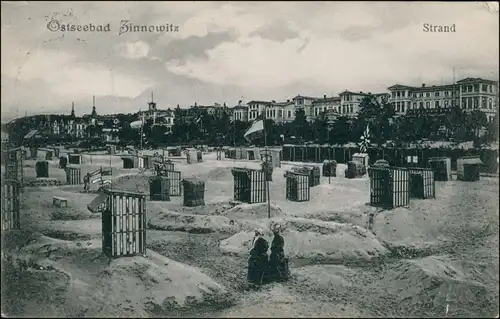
(195, 104)
(423, 85)
(288, 100)
(324, 96)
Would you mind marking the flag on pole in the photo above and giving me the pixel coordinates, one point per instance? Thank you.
(364, 142)
(256, 129)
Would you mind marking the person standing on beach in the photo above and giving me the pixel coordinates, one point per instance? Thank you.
(278, 263)
(258, 263)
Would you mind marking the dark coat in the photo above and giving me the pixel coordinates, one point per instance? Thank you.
(258, 263)
(278, 263)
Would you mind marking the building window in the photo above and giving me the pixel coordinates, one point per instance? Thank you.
(428, 94)
(403, 107)
(436, 104)
(491, 88)
(446, 103)
(421, 94)
(490, 102)
(483, 105)
(485, 88)
(398, 93)
(351, 109)
(427, 105)
(414, 105)
(421, 105)
(436, 93)
(464, 103)
(446, 93)
(469, 103)
(476, 87)
(469, 88)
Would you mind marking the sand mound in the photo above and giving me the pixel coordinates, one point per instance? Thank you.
(315, 240)
(424, 287)
(82, 282)
(198, 224)
(71, 229)
(161, 284)
(132, 182)
(252, 211)
(72, 214)
(217, 208)
(219, 174)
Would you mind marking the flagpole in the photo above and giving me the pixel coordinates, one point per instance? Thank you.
(267, 159)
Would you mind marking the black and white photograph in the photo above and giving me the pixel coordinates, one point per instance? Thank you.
(215, 159)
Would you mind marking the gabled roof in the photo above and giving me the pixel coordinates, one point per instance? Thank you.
(475, 80)
(363, 93)
(400, 87)
(327, 99)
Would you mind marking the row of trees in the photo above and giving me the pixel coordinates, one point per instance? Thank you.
(456, 125)
(203, 128)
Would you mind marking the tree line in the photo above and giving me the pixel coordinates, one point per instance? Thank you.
(201, 128)
(455, 125)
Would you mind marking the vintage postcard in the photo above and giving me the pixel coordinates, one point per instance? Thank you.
(249, 159)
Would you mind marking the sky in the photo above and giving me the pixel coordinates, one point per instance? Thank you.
(224, 52)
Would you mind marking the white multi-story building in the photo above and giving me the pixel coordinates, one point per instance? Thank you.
(255, 109)
(240, 112)
(470, 94)
(350, 101)
(320, 106)
(305, 103)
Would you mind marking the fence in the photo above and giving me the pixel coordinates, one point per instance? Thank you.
(73, 175)
(175, 182)
(97, 176)
(10, 204)
(159, 187)
(124, 223)
(389, 187)
(42, 169)
(422, 184)
(249, 185)
(297, 186)
(395, 156)
(194, 192)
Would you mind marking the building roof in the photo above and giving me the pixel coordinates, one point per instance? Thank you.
(399, 87)
(305, 97)
(475, 80)
(362, 93)
(243, 107)
(258, 102)
(327, 99)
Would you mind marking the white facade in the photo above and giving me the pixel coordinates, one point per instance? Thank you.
(470, 94)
